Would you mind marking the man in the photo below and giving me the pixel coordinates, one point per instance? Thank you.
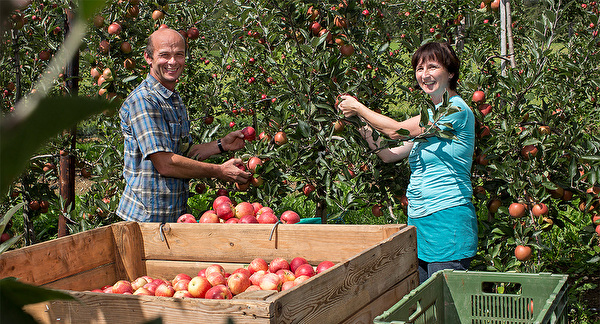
(159, 157)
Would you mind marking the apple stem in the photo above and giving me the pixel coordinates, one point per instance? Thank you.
(273, 229)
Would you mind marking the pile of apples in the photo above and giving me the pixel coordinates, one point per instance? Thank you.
(225, 211)
(213, 282)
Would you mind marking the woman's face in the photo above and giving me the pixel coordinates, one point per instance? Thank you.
(433, 78)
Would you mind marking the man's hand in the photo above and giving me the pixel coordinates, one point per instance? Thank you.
(233, 141)
(230, 171)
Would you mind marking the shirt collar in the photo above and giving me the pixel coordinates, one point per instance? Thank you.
(161, 89)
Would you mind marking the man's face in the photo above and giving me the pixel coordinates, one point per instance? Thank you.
(168, 60)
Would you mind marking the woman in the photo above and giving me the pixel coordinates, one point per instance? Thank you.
(439, 193)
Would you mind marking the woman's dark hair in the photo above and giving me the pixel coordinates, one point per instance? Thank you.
(442, 53)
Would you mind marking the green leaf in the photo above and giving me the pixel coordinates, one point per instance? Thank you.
(590, 158)
(22, 294)
(9, 214)
(8, 243)
(21, 137)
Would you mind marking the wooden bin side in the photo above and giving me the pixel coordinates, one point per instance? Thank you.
(105, 254)
(241, 243)
(352, 285)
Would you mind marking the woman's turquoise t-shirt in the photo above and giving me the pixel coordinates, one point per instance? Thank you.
(439, 193)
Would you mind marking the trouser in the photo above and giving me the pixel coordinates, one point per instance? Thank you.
(427, 269)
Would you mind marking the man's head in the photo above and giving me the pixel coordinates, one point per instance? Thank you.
(165, 53)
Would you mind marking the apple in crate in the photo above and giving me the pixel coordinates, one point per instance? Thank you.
(181, 284)
(182, 294)
(243, 271)
(267, 218)
(287, 285)
(225, 210)
(138, 283)
(165, 290)
(143, 291)
(257, 206)
(304, 270)
(258, 264)
(256, 277)
(248, 220)
(289, 217)
(186, 218)
(270, 281)
(198, 286)
(209, 216)
(238, 283)
(324, 266)
(180, 276)
(300, 279)
(285, 275)
(243, 209)
(151, 287)
(218, 292)
(278, 263)
(297, 261)
(122, 287)
(252, 288)
(232, 220)
(214, 268)
(219, 200)
(216, 278)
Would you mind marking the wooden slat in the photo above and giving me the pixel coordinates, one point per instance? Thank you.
(334, 295)
(367, 314)
(169, 269)
(51, 260)
(87, 280)
(129, 250)
(125, 309)
(244, 242)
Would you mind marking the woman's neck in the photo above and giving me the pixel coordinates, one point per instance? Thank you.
(438, 98)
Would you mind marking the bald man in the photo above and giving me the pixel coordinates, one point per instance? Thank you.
(159, 157)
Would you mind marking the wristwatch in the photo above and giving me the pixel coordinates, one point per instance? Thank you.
(220, 146)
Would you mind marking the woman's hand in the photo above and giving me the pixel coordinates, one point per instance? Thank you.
(350, 106)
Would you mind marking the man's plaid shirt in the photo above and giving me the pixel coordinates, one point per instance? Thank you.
(153, 119)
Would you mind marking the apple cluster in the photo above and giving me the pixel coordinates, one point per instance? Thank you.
(213, 282)
(225, 211)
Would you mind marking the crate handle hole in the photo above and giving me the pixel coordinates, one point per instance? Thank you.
(493, 287)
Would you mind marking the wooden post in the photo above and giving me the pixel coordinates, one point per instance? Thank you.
(67, 160)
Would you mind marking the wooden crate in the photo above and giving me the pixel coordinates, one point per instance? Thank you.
(376, 265)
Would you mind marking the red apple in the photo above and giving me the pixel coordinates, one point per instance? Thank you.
(285, 275)
(232, 220)
(287, 285)
(138, 283)
(198, 286)
(114, 28)
(243, 209)
(256, 277)
(209, 216)
(253, 162)
(151, 287)
(193, 33)
(243, 271)
(257, 265)
(304, 270)
(222, 192)
(248, 220)
(219, 292)
(182, 284)
(267, 218)
(109, 290)
(253, 288)
(186, 218)
(249, 133)
(164, 290)
(300, 279)
(324, 266)
(289, 217)
(263, 210)
(270, 281)
(216, 278)
(297, 261)
(225, 211)
(278, 263)
(214, 268)
(238, 283)
(180, 276)
(143, 291)
(219, 200)
(121, 287)
(257, 206)
(182, 294)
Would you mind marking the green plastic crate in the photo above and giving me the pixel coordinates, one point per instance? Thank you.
(475, 297)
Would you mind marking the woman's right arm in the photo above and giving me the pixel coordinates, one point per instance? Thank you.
(386, 125)
(387, 155)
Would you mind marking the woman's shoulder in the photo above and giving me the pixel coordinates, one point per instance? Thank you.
(459, 102)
